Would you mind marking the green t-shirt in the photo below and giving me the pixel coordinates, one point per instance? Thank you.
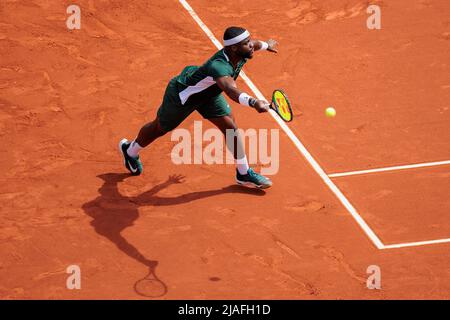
(198, 84)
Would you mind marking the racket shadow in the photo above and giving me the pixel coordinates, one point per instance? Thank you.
(113, 212)
(150, 286)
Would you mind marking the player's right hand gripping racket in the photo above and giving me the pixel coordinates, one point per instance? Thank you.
(281, 105)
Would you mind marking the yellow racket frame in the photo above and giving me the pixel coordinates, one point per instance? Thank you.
(281, 105)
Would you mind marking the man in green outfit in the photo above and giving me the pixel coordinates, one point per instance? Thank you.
(200, 88)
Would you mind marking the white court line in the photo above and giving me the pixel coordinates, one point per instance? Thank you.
(415, 244)
(409, 166)
(372, 236)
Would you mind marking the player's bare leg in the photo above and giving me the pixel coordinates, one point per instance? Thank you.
(130, 150)
(244, 174)
(149, 133)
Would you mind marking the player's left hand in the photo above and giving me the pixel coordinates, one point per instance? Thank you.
(272, 45)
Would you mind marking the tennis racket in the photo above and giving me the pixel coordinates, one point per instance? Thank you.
(281, 105)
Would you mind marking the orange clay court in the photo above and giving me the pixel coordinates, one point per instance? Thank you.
(68, 96)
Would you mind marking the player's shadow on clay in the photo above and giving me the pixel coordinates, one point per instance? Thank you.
(112, 212)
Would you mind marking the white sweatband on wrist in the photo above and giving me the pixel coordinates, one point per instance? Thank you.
(264, 45)
(245, 99)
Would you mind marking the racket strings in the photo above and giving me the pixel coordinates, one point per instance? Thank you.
(282, 105)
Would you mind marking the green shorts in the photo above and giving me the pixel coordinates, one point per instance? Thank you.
(171, 112)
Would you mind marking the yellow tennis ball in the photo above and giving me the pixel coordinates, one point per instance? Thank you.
(330, 112)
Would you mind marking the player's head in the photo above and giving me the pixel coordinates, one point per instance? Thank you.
(238, 41)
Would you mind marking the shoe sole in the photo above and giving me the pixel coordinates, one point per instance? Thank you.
(121, 151)
(251, 184)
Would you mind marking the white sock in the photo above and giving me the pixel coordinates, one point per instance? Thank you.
(242, 165)
(133, 149)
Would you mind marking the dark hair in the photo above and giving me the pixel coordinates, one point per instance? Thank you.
(232, 32)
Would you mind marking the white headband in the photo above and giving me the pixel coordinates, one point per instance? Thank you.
(236, 39)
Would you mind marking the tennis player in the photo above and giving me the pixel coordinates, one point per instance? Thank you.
(200, 88)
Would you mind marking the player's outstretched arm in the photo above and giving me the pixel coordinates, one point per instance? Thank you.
(270, 45)
(228, 85)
